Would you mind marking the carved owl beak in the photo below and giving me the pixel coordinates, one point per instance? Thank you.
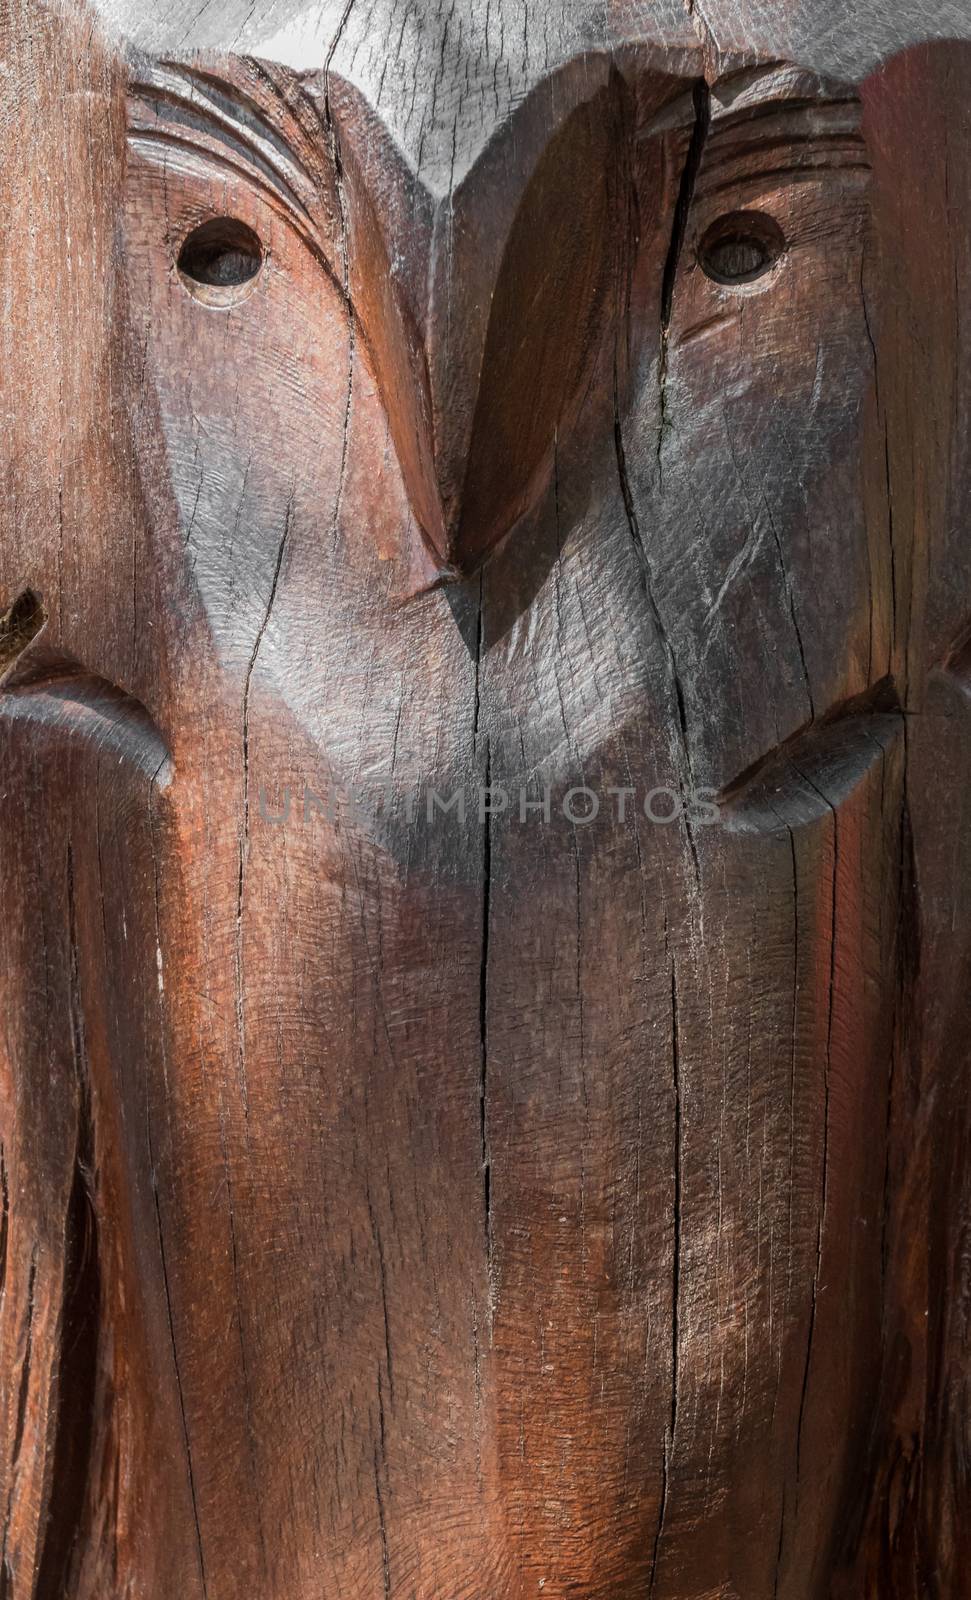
(482, 302)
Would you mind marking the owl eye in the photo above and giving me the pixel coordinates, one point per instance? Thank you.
(741, 247)
(220, 261)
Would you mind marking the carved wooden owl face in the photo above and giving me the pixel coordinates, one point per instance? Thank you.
(381, 372)
(487, 406)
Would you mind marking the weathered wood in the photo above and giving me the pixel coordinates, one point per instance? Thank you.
(408, 1188)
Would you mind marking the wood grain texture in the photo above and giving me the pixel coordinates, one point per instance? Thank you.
(410, 1188)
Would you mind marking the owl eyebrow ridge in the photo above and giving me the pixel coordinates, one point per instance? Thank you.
(823, 122)
(837, 152)
(791, 139)
(182, 104)
(270, 186)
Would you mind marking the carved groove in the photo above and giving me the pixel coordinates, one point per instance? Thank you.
(817, 767)
(54, 691)
(76, 1419)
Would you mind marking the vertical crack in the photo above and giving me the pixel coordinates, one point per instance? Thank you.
(791, 602)
(676, 1262)
(4, 1217)
(779, 1548)
(705, 32)
(907, 961)
(332, 51)
(647, 578)
(647, 586)
(381, 1443)
(338, 162)
(671, 1429)
(244, 832)
(876, 396)
(794, 1022)
(382, 1526)
(178, 1375)
(893, 556)
(160, 1233)
(383, 1277)
(679, 228)
(825, 1152)
(24, 1392)
(484, 962)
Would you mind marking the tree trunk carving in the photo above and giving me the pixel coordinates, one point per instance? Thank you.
(485, 735)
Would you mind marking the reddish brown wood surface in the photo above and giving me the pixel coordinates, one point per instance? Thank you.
(404, 403)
